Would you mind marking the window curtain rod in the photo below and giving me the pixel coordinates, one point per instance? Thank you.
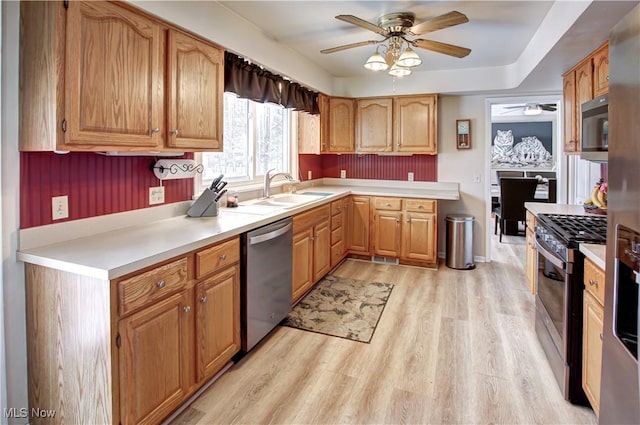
(250, 81)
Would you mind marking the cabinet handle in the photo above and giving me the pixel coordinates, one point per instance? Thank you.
(344, 207)
(593, 282)
(160, 284)
(420, 206)
(155, 130)
(223, 256)
(601, 336)
(175, 132)
(186, 308)
(388, 204)
(312, 238)
(203, 299)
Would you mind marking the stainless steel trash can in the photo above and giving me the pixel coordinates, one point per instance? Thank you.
(459, 253)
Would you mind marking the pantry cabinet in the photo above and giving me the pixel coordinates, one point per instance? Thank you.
(132, 349)
(585, 81)
(311, 249)
(594, 280)
(101, 76)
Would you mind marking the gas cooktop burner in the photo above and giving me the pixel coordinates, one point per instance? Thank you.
(575, 229)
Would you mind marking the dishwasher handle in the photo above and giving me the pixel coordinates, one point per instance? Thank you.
(253, 240)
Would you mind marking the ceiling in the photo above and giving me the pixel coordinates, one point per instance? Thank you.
(539, 39)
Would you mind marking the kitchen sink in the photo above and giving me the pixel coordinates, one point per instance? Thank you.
(287, 200)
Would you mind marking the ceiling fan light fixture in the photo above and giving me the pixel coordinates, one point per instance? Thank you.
(376, 62)
(532, 110)
(409, 58)
(399, 71)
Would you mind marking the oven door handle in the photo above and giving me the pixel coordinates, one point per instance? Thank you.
(549, 256)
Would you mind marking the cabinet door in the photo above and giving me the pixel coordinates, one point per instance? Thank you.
(570, 112)
(114, 81)
(341, 124)
(218, 321)
(302, 262)
(374, 130)
(592, 350)
(321, 250)
(531, 260)
(359, 225)
(386, 233)
(308, 133)
(325, 117)
(601, 71)
(153, 340)
(584, 93)
(194, 100)
(415, 124)
(419, 237)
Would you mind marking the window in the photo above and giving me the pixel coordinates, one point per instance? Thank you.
(256, 139)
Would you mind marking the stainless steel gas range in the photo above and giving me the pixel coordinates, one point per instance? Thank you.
(559, 296)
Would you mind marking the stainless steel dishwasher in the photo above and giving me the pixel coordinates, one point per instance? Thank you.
(267, 279)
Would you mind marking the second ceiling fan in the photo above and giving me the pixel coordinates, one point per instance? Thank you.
(397, 27)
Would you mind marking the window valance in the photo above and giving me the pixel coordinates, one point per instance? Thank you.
(250, 81)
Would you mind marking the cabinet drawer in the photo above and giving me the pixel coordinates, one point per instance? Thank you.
(336, 207)
(393, 204)
(420, 205)
(152, 285)
(337, 251)
(594, 280)
(336, 221)
(310, 218)
(336, 235)
(218, 256)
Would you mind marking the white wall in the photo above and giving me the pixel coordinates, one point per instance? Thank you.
(12, 271)
(463, 166)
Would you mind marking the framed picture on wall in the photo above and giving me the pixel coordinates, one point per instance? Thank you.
(463, 134)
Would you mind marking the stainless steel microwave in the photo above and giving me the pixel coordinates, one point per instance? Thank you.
(594, 141)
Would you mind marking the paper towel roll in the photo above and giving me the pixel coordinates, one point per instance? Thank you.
(169, 169)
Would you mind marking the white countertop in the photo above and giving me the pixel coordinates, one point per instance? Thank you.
(119, 251)
(596, 253)
(551, 208)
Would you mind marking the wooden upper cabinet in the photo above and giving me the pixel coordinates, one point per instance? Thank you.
(601, 71)
(308, 133)
(194, 99)
(374, 125)
(415, 124)
(341, 124)
(113, 77)
(570, 112)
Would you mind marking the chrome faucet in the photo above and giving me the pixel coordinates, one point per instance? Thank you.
(268, 177)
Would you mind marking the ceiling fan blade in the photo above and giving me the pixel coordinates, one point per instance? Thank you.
(362, 24)
(436, 46)
(439, 22)
(350, 46)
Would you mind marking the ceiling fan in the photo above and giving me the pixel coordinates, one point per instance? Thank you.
(397, 27)
(533, 108)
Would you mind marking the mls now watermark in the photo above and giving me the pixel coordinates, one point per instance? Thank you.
(23, 412)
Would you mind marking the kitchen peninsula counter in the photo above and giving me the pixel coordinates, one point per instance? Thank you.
(135, 240)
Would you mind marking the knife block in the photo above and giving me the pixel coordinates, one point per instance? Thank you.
(205, 205)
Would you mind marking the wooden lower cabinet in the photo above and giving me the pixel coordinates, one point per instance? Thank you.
(359, 225)
(217, 321)
(401, 232)
(132, 349)
(592, 349)
(154, 359)
(531, 270)
(311, 249)
(592, 332)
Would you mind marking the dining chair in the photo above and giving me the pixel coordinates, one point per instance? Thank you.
(514, 192)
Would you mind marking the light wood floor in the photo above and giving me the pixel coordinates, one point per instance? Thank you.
(451, 347)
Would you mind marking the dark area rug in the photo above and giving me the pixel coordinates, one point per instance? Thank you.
(342, 307)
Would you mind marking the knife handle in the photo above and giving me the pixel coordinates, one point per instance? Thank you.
(219, 195)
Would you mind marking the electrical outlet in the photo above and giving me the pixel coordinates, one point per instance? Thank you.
(343, 174)
(156, 195)
(410, 176)
(309, 175)
(59, 207)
